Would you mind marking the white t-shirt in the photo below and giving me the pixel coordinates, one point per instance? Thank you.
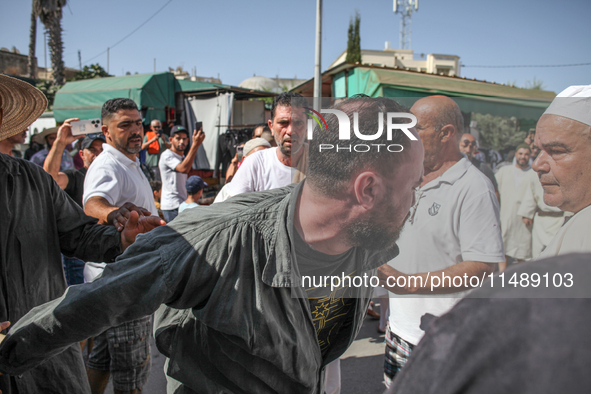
(456, 219)
(118, 179)
(174, 191)
(260, 171)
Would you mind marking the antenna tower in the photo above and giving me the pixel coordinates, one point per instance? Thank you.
(405, 8)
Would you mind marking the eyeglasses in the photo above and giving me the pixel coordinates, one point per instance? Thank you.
(470, 143)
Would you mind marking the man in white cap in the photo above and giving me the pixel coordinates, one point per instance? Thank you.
(39, 222)
(564, 166)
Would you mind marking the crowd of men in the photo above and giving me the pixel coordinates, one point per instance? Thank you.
(222, 285)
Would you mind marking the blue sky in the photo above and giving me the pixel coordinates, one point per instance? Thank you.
(237, 39)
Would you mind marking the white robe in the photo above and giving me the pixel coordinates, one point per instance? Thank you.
(573, 237)
(547, 219)
(516, 235)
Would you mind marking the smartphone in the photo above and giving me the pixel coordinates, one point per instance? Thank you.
(87, 126)
(240, 150)
(198, 125)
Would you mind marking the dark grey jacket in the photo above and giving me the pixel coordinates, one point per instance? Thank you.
(230, 323)
(38, 221)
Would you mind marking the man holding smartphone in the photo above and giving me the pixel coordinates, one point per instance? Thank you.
(174, 168)
(156, 142)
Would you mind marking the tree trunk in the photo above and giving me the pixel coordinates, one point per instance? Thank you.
(56, 47)
(32, 64)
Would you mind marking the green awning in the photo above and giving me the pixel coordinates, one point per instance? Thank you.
(471, 96)
(84, 99)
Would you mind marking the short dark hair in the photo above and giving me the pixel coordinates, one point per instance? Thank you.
(156, 185)
(523, 146)
(330, 171)
(286, 99)
(114, 105)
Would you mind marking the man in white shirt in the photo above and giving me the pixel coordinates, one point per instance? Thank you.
(513, 184)
(174, 168)
(545, 221)
(280, 166)
(113, 180)
(453, 230)
(563, 134)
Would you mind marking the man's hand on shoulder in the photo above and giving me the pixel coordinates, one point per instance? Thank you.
(119, 217)
(137, 224)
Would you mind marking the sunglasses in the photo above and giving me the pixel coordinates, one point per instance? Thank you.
(469, 143)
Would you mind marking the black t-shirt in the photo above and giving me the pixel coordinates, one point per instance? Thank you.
(75, 188)
(332, 311)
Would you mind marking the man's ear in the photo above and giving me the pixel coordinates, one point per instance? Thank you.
(270, 123)
(105, 130)
(368, 189)
(447, 132)
(81, 154)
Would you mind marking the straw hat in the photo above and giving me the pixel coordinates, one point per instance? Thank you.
(40, 137)
(21, 105)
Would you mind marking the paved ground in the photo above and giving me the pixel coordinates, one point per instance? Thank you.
(361, 366)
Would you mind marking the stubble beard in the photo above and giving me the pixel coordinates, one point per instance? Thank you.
(127, 148)
(376, 232)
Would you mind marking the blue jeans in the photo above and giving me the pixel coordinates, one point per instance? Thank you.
(74, 270)
(170, 214)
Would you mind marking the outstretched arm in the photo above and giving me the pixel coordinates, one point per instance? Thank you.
(53, 160)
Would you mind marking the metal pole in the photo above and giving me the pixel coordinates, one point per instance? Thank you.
(79, 60)
(317, 63)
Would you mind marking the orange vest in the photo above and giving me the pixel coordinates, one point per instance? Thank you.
(154, 147)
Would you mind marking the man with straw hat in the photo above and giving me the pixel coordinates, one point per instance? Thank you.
(38, 222)
(48, 136)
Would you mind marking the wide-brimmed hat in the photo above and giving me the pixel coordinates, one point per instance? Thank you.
(21, 105)
(40, 138)
(254, 143)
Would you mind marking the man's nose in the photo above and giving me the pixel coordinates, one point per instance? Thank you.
(540, 164)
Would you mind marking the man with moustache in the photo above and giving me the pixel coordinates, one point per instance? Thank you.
(114, 179)
(563, 165)
(174, 167)
(513, 183)
(280, 166)
(237, 317)
(49, 136)
(453, 230)
(72, 181)
(468, 146)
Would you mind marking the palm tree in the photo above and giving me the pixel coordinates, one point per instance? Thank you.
(32, 66)
(50, 14)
